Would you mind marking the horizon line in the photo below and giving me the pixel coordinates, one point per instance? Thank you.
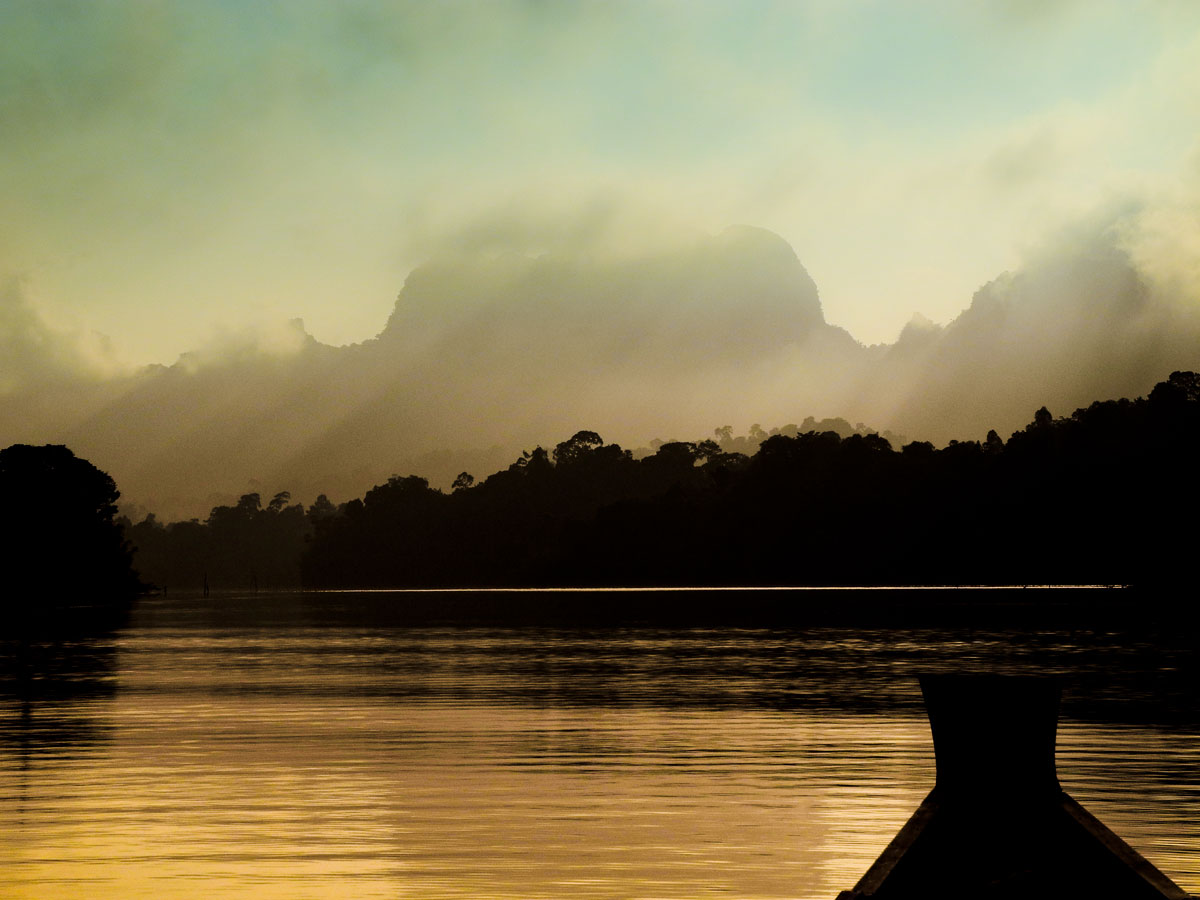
(713, 589)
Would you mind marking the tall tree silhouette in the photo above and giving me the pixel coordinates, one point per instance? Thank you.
(60, 544)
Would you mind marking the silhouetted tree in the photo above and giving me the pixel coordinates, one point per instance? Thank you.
(573, 449)
(60, 542)
(321, 508)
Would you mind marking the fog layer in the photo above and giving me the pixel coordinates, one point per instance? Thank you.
(489, 352)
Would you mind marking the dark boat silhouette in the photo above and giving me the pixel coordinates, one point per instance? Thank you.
(997, 824)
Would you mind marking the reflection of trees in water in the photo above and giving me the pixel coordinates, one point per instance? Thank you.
(828, 651)
(51, 687)
(837, 670)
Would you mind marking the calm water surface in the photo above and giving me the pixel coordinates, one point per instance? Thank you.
(326, 746)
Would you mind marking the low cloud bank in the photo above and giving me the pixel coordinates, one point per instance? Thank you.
(1080, 321)
(489, 352)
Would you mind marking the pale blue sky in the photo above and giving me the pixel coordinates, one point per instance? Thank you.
(174, 170)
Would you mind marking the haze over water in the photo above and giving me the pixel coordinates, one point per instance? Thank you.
(319, 746)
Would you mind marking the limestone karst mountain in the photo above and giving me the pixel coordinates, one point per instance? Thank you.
(486, 355)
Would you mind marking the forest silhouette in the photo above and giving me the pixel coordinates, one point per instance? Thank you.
(1098, 497)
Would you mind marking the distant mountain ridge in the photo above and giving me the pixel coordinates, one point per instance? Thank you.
(487, 355)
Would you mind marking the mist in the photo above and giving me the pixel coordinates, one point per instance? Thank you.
(494, 348)
(173, 170)
(1081, 320)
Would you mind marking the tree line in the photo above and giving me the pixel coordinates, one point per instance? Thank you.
(1105, 495)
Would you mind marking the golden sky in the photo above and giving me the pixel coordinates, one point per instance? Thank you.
(176, 173)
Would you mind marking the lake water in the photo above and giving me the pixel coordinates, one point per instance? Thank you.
(414, 746)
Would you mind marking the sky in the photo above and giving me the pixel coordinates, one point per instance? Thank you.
(176, 173)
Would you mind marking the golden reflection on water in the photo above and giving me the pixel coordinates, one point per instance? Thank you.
(420, 801)
(460, 763)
